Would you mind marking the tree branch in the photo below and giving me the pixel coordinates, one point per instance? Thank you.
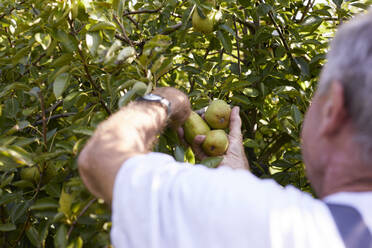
(285, 44)
(54, 117)
(307, 8)
(122, 28)
(97, 89)
(251, 26)
(80, 214)
(172, 28)
(237, 46)
(133, 21)
(33, 64)
(43, 120)
(141, 11)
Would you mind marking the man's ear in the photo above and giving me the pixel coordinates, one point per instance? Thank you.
(334, 111)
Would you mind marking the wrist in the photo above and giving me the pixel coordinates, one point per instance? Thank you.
(180, 104)
(153, 98)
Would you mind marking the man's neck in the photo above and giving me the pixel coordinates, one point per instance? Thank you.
(347, 177)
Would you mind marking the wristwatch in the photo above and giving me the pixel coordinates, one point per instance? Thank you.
(156, 98)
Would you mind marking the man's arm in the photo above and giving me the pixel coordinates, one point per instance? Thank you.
(130, 131)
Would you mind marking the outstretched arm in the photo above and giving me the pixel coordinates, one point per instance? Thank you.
(130, 131)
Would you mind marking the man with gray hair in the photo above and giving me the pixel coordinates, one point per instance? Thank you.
(158, 202)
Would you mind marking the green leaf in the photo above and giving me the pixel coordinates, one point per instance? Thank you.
(211, 162)
(124, 100)
(43, 39)
(34, 236)
(20, 54)
(303, 65)
(251, 92)
(68, 41)
(225, 40)
(65, 202)
(263, 9)
(361, 5)
(228, 29)
(60, 240)
(60, 84)
(83, 130)
(296, 115)
(102, 26)
(18, 210)
(45, 204)
(189, 155)
(6, 198)
(179, 154)
(19, 155)
(13, 86)
(63, 60)
(338, 3)
(8, 227)
(7, 180)
(241, 99)
(77, 243)
(282, 164)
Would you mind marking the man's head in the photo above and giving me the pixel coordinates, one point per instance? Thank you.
(338, 126)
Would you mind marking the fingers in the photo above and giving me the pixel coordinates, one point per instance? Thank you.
(181, 136)
(180, 132)
(235, 124)
(196, 147)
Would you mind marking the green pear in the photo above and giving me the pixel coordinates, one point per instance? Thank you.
(204, 25)
(193, 126)
(218, 114)
(30, 174)
(216, 143)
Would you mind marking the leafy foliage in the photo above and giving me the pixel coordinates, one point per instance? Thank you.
(66, 65)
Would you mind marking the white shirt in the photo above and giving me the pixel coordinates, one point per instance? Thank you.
(161, 203)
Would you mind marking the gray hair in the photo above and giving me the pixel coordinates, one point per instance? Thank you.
(350, 63)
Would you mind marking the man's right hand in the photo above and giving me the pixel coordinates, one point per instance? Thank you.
(235, 156)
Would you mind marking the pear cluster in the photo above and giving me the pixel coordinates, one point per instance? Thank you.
(204, 19)
(216, 119)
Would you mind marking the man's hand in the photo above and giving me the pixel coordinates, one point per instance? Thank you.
(235, 155)
(129, 132)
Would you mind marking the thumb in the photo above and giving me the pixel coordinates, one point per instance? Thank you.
(235, 124)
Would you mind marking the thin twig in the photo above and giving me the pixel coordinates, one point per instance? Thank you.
(80, 214)
(33, 64)
(250, 25)
(237, 46)
(133, 21)
(120, 37)
(286, 46)
(141, 11)
(122, 28)
(172, 28)
(23, 230)
(54, 117)
(43, 116)
(96, 88)
(51, 109)
(307, 8)
(206, 54)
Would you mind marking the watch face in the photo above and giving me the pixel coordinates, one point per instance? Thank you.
(152, 97)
